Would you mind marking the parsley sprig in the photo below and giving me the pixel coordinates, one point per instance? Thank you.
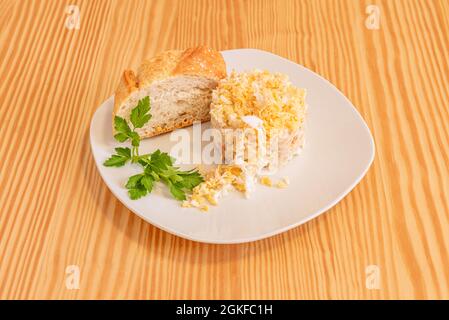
(157, 166)
(139, 116)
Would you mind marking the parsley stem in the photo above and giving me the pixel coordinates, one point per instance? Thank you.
(135, 154)
(137, 157)
(144, 155)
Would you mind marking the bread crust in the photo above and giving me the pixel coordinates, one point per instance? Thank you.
(197, 61)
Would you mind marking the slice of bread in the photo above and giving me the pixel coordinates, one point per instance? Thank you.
(179, 84)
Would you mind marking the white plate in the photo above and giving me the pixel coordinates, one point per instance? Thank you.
(338, 152)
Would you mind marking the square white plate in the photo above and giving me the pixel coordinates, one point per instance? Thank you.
(339, 150)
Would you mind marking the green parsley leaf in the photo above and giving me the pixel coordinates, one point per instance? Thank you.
(147, 182)
(157, 166)
(121, 137)
(160, 161)
(115, 161)
(177, 192)
(119, 159)
(125, 152)
(121, 126)
(190, 179)
(139, 115)
(135, 139)
(149, 172)
(137, 186)
(175, 178)
(134, 181)
(137, 193)
(160, 167)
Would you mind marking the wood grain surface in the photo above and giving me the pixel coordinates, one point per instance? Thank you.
(55, 210)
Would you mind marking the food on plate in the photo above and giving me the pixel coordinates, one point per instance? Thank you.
(179, 84)
(266, 181)
(264, 101)
(283, 183)
(217, 183)
(262, 112)
(270, 107)
(156, 166)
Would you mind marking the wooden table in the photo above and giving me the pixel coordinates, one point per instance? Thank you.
(389, 238)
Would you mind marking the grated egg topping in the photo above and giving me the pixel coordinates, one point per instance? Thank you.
(219, 181)
(260, 100)
(266, 181)
(216, 184)
(268, 96)
(283, 183)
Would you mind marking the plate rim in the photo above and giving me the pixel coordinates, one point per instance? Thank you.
(265, 235)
